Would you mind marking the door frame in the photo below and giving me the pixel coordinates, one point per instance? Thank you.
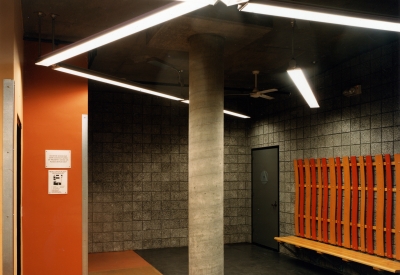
(19, 196)
(85, 194)
(252, 194)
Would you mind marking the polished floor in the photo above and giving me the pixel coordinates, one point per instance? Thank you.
(119, 263)
(243, 259)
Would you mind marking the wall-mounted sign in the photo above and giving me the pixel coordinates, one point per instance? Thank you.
(264, 177)
(58, 159)
(58, 182)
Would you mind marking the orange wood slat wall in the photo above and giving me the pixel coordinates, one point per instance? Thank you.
(51, 224)
(362, 199)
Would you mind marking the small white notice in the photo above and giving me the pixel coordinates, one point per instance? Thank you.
(58, 182)
(58, 158)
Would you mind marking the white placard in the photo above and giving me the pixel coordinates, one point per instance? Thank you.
(58, 182)
(58, 159)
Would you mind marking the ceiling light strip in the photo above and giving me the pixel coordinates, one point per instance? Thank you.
(303, 12)
(140, 23)
(225, 111)
(301, 83)
(233, 2)
(108, 79)
(235, 114)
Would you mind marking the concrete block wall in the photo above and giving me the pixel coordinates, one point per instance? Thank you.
(138, 152)
(368, 124)
(237, 194)
(138, 173)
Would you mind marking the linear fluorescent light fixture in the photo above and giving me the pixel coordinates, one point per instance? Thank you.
(108, 79)
(225, 111)
(137, 24)
(233, 2)
(235, 114)
(304, 12)
(301, 83)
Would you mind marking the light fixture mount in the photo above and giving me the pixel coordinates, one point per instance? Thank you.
(292, 64)
(299, 79)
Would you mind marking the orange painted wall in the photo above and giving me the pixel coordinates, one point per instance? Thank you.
(11, 58)
(51, 224)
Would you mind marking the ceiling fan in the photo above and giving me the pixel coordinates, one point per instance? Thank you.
(256, 93)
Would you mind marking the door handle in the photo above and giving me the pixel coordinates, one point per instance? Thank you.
(274, 205)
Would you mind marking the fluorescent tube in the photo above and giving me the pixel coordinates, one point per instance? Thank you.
(233, 2)
(140, 23)
(225, 111)
(121, 83)
(301, 83)
(108, 79)
(235, 114)
(303, 12)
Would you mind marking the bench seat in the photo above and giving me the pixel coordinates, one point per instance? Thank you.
(378, 263)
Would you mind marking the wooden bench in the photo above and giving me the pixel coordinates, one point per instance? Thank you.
(347, 208)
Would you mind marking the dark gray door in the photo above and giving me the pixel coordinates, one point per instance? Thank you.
(265, 202)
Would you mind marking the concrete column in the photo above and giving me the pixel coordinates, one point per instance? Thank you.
(206, 155)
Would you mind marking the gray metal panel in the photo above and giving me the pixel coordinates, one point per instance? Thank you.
(265, 201)
(85, 195)
(8, 176)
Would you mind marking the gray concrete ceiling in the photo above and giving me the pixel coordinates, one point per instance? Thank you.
(253, 42)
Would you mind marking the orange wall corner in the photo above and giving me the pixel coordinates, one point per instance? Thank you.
(54, 103)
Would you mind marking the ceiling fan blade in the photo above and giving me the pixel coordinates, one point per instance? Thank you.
(266, 97)
(268, 91)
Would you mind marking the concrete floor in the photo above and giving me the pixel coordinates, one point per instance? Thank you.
(240, 259)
